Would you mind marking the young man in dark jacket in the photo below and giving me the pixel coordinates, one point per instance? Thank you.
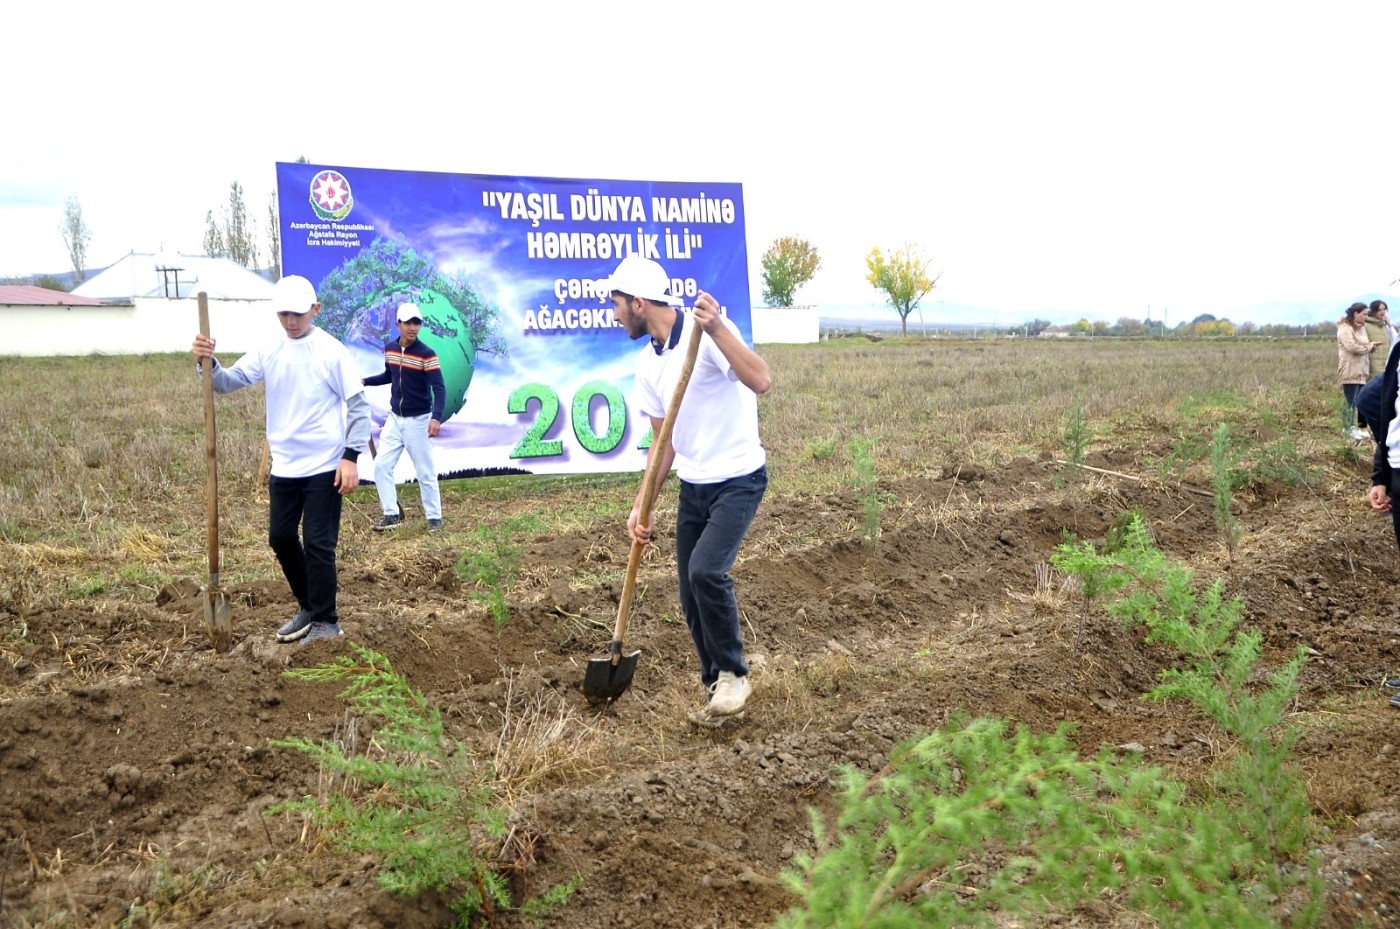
(1385, 475)
(416, 398)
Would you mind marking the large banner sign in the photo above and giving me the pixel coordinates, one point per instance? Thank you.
(508, 273)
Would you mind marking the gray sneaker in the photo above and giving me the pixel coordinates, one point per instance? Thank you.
(296, 627)
(323, 631)
(434, 525)
(388, 522)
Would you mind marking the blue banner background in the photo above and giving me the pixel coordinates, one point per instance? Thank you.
(553, 391)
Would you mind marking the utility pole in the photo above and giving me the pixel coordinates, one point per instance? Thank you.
(165, 268)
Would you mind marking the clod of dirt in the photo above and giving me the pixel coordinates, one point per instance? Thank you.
(964, 473)
(126, 785)
(177, 592)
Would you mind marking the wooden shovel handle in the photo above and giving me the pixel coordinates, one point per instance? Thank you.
(668, 424)
(210, 450)
(654, 456)
(624, 604)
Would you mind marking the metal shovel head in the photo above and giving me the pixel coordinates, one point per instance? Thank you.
(218, 617)
(606, 679)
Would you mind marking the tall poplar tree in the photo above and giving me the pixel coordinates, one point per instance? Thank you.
(76, 236)
(232, 233)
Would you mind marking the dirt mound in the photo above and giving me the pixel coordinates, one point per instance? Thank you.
(140, 766)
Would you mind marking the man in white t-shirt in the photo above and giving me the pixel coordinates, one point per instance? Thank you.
(717, 455)
(317, 423)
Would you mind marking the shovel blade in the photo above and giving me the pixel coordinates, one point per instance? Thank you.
(218, 617)
(606, 679)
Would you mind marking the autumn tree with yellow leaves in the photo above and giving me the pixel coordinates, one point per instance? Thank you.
(789, 263)
(903, 276)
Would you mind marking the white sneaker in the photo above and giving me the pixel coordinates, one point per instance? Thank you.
(729, 695)
(702, 717)
(1359, 434)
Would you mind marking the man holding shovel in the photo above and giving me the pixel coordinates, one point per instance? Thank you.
(317, 422)
(718, 457)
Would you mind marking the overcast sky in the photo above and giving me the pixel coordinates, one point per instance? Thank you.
(1096, 158)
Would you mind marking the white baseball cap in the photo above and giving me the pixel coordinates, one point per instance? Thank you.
(409, 311)
(293, 294)
(643, 277)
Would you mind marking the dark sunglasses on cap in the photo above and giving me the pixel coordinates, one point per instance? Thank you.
(412, 321)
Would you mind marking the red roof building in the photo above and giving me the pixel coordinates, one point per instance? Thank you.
(28, 295)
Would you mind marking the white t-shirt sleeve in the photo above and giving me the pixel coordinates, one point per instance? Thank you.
(245, 372)
(710, 353)
(348, 377)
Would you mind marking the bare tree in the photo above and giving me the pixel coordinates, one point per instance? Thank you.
(213, 236)
(274, 236)
(76, 236)
(232, 234)
(238, 231)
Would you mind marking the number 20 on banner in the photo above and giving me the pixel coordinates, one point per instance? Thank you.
(535, 445)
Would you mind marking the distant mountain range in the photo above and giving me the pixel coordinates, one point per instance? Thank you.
(67, 279)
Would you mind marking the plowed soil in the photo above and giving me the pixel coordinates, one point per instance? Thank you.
(137, 766)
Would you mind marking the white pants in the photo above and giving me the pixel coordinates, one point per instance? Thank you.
(399, 433)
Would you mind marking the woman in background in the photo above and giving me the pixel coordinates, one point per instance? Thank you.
(1353, 362)
(1379, 329)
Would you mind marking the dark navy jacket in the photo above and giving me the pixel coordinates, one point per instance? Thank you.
(415, 379)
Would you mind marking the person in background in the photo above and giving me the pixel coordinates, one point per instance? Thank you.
(317, 423)
(1354, 351)
(1385, 473)
(1379, 329)
(417, 395)
(719, 459)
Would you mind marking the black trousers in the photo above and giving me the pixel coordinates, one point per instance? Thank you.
(311, 504)
(1350, 391)
(1395, 502)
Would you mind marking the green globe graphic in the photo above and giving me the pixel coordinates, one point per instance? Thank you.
(359, 300)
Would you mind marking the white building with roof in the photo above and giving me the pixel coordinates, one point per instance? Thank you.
(172, 276)
(145, 303)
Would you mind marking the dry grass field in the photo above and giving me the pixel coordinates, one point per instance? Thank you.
(140, 771)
